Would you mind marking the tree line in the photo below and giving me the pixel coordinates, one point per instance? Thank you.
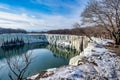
(8, 30)
(91, 31)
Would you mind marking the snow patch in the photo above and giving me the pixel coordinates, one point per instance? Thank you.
(99, 64)
(94, 49)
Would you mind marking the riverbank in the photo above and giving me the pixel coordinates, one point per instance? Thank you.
(94, 63)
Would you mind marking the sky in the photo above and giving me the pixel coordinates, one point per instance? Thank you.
(40, 15)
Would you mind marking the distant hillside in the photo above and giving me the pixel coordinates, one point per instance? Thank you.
(8, 30)
(96, 31)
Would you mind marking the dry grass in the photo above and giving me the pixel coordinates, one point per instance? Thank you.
(113, 48)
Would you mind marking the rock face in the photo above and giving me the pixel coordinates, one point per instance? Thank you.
(71, 41)
(76, 60)
(96, 63)
(25, 38)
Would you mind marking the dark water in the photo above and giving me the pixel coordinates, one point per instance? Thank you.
(30, 59)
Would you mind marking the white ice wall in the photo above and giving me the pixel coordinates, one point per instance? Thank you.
(25, 37)
(71, 41)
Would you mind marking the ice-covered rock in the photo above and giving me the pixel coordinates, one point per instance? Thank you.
(99, 64)
(26, 38)
(76, 60)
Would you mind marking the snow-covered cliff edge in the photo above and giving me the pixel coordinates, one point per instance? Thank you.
(94, 63)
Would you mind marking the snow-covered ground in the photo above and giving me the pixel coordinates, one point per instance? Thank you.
(94, 63)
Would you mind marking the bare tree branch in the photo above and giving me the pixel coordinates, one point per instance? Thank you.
(105, 13)
(18, 69)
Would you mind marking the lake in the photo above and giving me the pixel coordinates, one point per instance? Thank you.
(29, 59)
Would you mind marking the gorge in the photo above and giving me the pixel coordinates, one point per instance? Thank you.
(43, 51)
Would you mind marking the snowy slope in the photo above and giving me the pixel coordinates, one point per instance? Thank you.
(98, 64)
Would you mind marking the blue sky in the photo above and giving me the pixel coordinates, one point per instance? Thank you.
(40, 15)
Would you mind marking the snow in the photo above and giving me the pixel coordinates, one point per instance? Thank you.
(102, 41)
(25, 37)
(74, 60)
(94, 49)
(33, 77)
(98, 64)
(63, 44)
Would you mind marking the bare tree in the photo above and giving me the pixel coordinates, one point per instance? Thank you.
(82, 30)
(105, 13)
(18, 69)
(1, 67)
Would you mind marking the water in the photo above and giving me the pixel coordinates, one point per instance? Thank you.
(30, 59)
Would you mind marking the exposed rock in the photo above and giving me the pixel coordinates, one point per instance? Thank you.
(76, 60)
(98, 64)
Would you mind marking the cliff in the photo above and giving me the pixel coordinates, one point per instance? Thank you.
(94, 63)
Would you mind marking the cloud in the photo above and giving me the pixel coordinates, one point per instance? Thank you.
(12, 20)
(3, 6)
(60, 6)
(57, 3)
(61, 3)
(25, 21)
(11, 17)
